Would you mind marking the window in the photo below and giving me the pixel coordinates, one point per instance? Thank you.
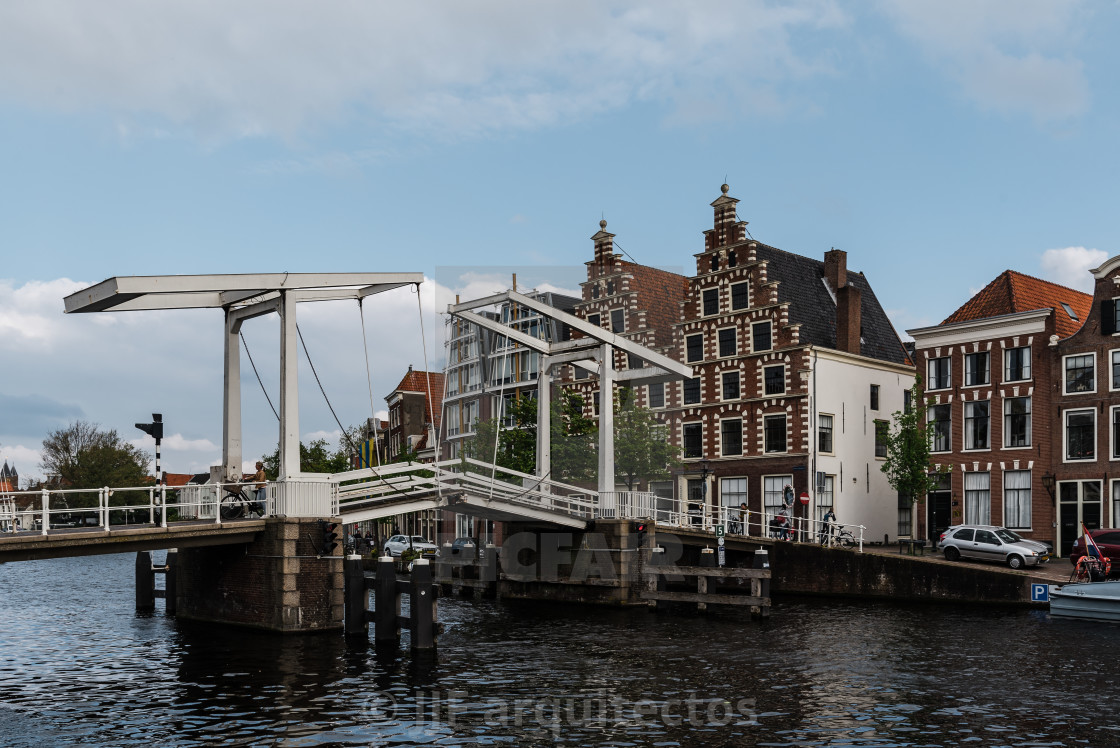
(773, 493)
(1079, 374)
(711, 301)
(1017, 499)
(1115, 503)
(824, 433)
(727, 342)
(593, 319)
(580, 372)
(693, 439)
(1017, 422)
(610, 288)
(595, 403)
(692, 391)
(1081, 434)
(731, 385)
(938, 370)
(656, 394)
(874, 397)
(733, 492)
(1115, 433)
(825, 496)
(906, 401)
(633, 362)
(1116, 367)
(595, 291)
(976, 369)
(882, 433)
(694, 348)
(774, 430)
(941, 416)
(775, 380)
(731, 437)
(1017, 364)
(740, 296)
(715, 263)
(905, 512)
(977, 499)
(976, 418)
(760, 334)
(618, 320)
(731, 261)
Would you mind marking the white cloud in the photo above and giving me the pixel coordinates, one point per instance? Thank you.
(1005, 59)
(282, 67)
(25, 459)
(1070, 266)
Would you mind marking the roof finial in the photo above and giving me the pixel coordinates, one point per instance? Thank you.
(603, 224)
(724, 187)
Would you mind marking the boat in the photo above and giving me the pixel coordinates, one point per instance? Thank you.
(1094, 600)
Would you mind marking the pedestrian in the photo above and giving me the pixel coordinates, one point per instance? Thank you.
(786, 529)
(260, 481)
(829, 526)
(744, 513)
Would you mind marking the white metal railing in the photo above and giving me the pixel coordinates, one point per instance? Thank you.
(627, 505)
(105, 508)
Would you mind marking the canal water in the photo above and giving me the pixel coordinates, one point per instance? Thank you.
(78, 667)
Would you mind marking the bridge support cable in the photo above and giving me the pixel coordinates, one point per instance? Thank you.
(428, 379)
(369, 383)
(258, 374)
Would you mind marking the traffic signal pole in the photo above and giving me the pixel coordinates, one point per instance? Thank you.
(155, 430)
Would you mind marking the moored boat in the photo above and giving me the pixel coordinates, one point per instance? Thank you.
(1094, 600)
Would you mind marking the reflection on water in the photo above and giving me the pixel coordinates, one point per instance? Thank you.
(78, 667)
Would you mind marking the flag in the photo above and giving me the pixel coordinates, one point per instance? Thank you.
(1091, 548)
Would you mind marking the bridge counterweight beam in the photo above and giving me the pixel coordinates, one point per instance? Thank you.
(357, 597)
(145, 583)
(387, 602)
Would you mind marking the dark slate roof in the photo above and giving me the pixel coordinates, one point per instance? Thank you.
(801, 283)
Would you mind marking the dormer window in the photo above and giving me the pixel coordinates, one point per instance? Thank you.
(1069, 311)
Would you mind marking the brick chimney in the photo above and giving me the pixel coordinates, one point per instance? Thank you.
(847, 319)
(836, 268)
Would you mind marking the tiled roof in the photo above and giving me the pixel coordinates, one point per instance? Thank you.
(1013, 292)
(660, 294)
(801, 283)
(417, 381)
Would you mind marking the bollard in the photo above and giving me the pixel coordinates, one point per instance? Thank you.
(657, 560)
(387, 602)
(762, 561)
(145, 583)
(422, 606)
(356, 597)
(171, 582)
(707, 557)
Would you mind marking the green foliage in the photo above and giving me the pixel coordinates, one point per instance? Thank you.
(316, 457)
(574, 439)
(641, 449)
(85, 456)
(908, 466)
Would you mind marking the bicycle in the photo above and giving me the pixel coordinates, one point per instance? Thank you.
(237, 503)
(841, 536)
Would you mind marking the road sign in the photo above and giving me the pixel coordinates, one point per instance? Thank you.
(1040, 593)
(719, 542)
(804, 497)
(719, 531)
(722, 553)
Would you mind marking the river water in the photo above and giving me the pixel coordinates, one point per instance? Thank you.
(78, 667)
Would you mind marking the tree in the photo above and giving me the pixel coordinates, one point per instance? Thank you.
(316, 457)
(908, 466)
(641, 449)
(82, 455)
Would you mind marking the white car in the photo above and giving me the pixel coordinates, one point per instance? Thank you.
(398, 544)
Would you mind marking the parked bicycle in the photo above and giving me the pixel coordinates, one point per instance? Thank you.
(238, 502)
(842, 537)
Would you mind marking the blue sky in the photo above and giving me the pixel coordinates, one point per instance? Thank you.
(939, 143)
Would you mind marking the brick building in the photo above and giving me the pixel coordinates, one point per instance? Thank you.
(992, 379)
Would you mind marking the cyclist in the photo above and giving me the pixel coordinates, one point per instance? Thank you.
(260, 481)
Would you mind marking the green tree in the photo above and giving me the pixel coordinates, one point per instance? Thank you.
(82, 455)
(318, 456)
(641, 449)
(908, 466)
(574, 439)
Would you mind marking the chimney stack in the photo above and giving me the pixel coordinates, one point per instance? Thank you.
(847, 319)
(836, 268)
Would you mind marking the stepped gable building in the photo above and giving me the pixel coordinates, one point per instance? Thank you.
(797, 372)
(992, 382)
(9, 478)
(1085, 370)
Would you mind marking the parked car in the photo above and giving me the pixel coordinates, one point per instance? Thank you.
(991, 543)
(1107, 540)
(398, 544)
(458, 544)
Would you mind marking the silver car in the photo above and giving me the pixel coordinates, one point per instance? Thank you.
(991, 543)
(398, 544)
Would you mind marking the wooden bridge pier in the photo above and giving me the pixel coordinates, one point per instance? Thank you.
(386, 614)
(709, 581)
(146, 592)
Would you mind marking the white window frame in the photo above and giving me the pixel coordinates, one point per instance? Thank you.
(703, 302)
(770, 323)
(965, 432)
(964, 367)
(929, 408)
(687, 337)
(978, 520)
(649, 398)
(610, 316)
(832, 433)
(784, 387)
(728, 419)
(782, 482)
(745, 494)
(949, 376)
(1065, 380)
(683, 445)
(1114, 501)
(1030, 501)
(719, 345)
(1030, 422)
(1065, 434)
(723, 395)
(1030, 363)
(1113, 361)
(785, 428)
(1113, 412)
(731, 296)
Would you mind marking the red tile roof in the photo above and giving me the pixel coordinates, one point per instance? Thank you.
(1014, 292)
(174, 480)
(416, 381)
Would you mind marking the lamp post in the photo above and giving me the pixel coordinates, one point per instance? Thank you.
(1048, 482)
(704, 470)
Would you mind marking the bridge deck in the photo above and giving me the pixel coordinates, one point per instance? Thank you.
(27, 546)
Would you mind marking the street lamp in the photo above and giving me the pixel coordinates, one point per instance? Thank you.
(1048, 482)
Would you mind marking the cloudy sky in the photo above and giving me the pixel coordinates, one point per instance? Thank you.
(939, 142)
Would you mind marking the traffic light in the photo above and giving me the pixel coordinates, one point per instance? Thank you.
(328, 532)
(638, 529)
(155, 428)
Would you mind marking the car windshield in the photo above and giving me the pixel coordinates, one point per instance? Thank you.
(418, 539)
(1008, 537)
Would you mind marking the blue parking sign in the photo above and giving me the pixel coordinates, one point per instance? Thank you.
(1040, 593)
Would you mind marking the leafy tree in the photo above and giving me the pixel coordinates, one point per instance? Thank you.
(82, 455)
(316, 457)
(641, 449)
(574, 439)
(908, 466)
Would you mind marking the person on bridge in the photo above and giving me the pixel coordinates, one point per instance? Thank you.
(260, 481)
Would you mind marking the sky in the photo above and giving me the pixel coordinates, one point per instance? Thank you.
(938, 142)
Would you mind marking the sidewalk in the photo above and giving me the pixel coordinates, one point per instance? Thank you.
(1054, 571)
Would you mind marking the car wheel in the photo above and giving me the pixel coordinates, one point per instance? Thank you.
(952, 554)
(1015, 561)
